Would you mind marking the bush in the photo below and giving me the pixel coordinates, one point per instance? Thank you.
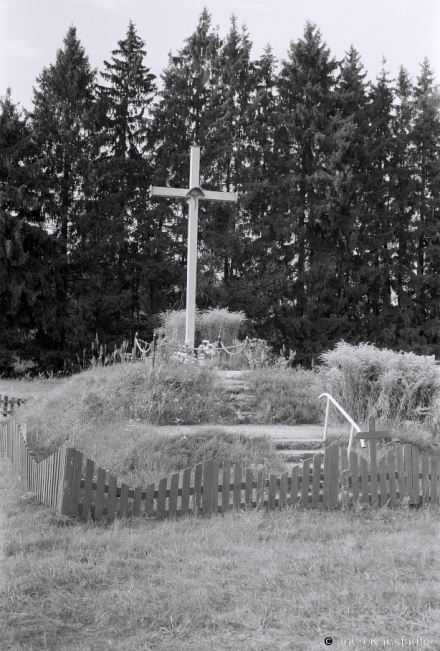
(367, 381)
(210, 324)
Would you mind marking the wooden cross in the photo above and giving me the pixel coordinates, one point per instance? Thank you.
(193, 195)
(372, 433)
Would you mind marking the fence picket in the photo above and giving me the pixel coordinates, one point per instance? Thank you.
(272, 490)
(305, 482)
(214, 486)
(316, 478)
(99, 497)
(88, 488)
(391, 463)
(363, 467)
(207, 484)
(373, 472)
(66, 488)
(174, 491)
(137, 500)
(197, 487)
(294, 485)
(354, 472)
(186, 484)
(161, 498)
(123, 501)
(283, 490)
(76, 483)
(112, 497)
(226, 486)
(407, 469)
(334, 484)
(327, 476)
(149, 500)
(344, 476)
(383, 481)
(248, 486)
(236, 500)
(401, 483)
(260, 489)
(415, 490)
(55, 475)
(434, 468)
(425, 477)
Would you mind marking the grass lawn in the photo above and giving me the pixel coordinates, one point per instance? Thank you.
(249, 581)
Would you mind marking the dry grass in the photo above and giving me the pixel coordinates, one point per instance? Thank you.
(249, 581)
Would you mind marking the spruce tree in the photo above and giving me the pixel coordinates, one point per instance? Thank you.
(64, 126)
(144, 271)
(426, 143)
(28, 278)
(185, 115)
(305, 142)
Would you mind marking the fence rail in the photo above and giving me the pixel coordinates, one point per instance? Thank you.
(74, 485)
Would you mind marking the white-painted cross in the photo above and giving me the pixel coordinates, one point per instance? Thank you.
(193, 195)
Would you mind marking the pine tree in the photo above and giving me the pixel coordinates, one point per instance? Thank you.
(259, 278)
(185, 115)
(305, 142)
(402, 189)
(27, 251)
(64, 126)
(426, 143)
(376, 237)
(144, 270)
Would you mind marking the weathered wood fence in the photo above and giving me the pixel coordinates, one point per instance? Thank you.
(73, 485)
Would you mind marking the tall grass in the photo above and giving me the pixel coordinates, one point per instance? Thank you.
(210, 325)
(368, 381)
(285, 396)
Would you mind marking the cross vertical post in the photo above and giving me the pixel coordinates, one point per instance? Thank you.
(191, 274)
(193, 196)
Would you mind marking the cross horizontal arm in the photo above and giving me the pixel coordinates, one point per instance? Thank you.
(171, 193)
(219, 196)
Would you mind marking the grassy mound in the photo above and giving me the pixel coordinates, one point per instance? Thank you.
(286, 396)
(110, 415)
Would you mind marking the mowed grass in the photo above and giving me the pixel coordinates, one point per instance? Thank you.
(246, 581)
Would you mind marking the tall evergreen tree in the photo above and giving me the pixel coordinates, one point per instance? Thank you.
(27, 251)
(376, 237)
(143, 271)
(426, 143)
(402, 189)
(184, 116)
(63, 125)
(306, 141)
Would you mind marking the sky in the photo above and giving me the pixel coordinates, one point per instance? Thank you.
(31, 31)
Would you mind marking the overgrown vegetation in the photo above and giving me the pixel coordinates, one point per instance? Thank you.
(391, 386)
(210, 325)
(286, 396)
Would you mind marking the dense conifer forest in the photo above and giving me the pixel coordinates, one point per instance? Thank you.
(335, 234)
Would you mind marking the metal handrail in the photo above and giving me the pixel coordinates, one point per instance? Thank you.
(354, 426)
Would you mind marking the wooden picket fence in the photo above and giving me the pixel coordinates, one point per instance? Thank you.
(7, 405)
(73, 485)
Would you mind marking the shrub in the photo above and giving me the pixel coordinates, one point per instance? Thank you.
(367, 381)
(210, 324)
